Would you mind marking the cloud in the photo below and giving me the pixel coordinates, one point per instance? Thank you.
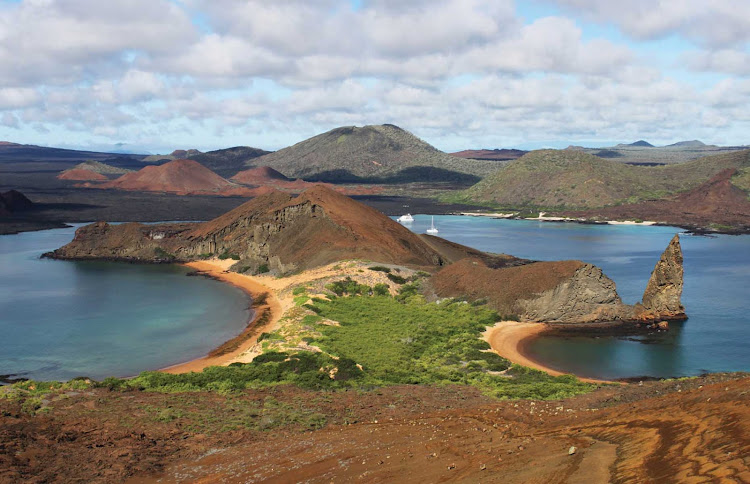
(729, 61)
(462, 73)
(56, 42)
(714, 23)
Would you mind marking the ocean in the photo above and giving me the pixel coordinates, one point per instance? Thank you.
(716, 293)
(65, 319)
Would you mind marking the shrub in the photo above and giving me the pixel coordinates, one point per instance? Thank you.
(380, 269)
(396, 278)
(263, 269)
(380, 289)
(348, 286)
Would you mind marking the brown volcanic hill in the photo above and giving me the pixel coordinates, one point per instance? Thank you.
(715, 202)
(276, 230)
(178, 176)
(261, 175)
(317, 227)
(81, 174)
(495, 155)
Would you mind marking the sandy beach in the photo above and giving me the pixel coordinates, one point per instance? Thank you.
(243, 353)
(509, 338)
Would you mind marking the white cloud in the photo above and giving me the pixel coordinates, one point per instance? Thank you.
(464, 71)
(716, 23)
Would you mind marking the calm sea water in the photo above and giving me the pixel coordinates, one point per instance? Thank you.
(62, 319)
(716, 293)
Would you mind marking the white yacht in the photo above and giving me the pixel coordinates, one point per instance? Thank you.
(405, 218)
(432, 230)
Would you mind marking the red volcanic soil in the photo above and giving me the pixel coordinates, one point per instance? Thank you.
(184, 177)
(497, 155)
(79, 174)
(716, 201)
(261, 175)
(694, 430)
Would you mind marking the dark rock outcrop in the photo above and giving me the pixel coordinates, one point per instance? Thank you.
(15, 201)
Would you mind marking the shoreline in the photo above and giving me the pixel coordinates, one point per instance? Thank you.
(510, 339)
(249, 336)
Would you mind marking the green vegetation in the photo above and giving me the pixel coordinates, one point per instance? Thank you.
(348, 286)
(380, 289)
(742, 179)
(226, 255)
(263, 269)
(387, 270)
(396, 278)
(550, 180)
(415, 342)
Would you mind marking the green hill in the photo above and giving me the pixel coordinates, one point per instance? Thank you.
(574, 179)
(382, 154)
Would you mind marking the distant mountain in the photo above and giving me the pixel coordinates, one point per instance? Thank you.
(91, 171)
(229, 161)
(174, 155)
(642, 143)
(12, 152)
(183, 177)
(644, 153)
(688, 144)
(381, 153)
(496, 154)
(568, 178)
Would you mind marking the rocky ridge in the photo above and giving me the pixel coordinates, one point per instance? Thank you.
(281, 233)
(570, 292)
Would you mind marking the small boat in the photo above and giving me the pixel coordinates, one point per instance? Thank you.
(405, 218)
(432, 229)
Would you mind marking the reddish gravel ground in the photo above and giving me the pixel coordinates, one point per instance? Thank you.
(694, 430)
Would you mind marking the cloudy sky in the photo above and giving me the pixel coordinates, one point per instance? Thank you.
(156, 75)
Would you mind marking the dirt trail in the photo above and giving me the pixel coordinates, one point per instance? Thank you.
(696, 435)
(694, 430)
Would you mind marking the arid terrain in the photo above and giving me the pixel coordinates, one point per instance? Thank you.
(688, 430)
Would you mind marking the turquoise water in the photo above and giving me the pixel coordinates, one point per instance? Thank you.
(716, 293)
(62, 319)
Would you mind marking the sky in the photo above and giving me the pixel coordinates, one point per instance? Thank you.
(157, 75)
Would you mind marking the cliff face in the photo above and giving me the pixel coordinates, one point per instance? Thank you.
(587, 296)
(565, 291)
(661, 299)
